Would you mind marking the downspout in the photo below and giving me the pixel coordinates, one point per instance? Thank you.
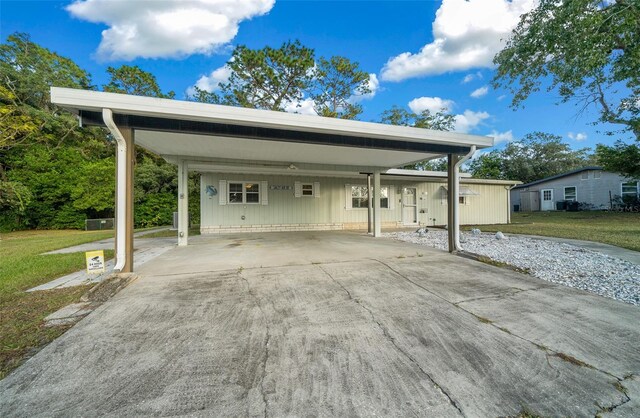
(456, 179)
(121, 166)
(509, 188)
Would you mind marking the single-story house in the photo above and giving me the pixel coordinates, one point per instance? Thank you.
(265, 170)
(280, 199)
(592, 186)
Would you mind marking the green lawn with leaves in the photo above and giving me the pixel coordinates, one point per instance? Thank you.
(619, 229)
(22, 266)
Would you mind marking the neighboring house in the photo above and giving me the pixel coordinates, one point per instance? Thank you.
(589, 185)
(276, 202)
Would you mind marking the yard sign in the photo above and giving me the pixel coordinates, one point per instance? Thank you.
(95, 261)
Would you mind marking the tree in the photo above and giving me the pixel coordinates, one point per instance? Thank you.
(621, 158)
(488, 166)
(128, 79)
(439, 121)
(534, 157)
(589, 50)
(338, 82)
(267, 78)
(43, 152)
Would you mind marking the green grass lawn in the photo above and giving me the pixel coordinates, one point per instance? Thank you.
(619, 229)
(22, 267)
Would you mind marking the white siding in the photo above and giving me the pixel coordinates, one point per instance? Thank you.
(329, 208)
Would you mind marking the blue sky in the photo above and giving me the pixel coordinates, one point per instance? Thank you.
(423, 54)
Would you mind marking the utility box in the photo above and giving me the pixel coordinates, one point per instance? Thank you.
(98, 224)
(175, 220)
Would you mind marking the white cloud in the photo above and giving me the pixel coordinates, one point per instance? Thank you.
(168, 28)
(432, 104)
(579, 137)
(210, 82)
(470, 77)
(499, 137)
(374, 86)
(303, 107)
(466, 34)
(469, 120)
(482, 91)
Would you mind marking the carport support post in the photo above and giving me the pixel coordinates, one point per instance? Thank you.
(369, 204)
(183, 203)
(128, 136)
(377, 224)
(453, 226)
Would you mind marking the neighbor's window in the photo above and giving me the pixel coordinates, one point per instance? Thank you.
(244, 192)
(360, 197)
(570, 193)
(585, 175)
(462, 200)
(630, 190)
(307, 189)
(597, 174)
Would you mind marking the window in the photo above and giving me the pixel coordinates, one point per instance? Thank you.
(570, 193)
(597, 174)
(462, 200)
(244, 193)
(546, 195)
(307, 189)
(629, 190)
(360, 197)
(585, 175)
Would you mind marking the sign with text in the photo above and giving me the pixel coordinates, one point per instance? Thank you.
(95, 261)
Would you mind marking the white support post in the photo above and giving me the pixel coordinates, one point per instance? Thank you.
(377, 222)
(183, 203)
(369, 206)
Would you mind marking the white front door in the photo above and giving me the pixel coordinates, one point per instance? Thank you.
(546, 199)
(409, 206)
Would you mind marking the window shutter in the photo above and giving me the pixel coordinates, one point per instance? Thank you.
(264, 193)
(297, 189)
(347, 190)
(222, 193)
(316, 189)
(392, 198)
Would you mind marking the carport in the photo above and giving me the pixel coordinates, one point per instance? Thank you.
(201, 137)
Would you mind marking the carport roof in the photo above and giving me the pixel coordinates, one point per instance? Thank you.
(192, 130)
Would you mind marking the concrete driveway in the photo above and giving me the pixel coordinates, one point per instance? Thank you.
(335, 324)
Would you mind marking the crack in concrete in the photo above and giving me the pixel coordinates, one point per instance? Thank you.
(392, 340)
(619, 385)
(498, 296)
(546, 349)
(266, 343)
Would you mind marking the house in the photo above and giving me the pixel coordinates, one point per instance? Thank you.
(591, 186)
(266, 170)
(280, 199)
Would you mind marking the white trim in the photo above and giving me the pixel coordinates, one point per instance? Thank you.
(121, 188)
(297, 189)
(244, 192)
(629, 182)
(564, 192)
(77, 99)
(222, 193)
(316, 189)
(264, 193)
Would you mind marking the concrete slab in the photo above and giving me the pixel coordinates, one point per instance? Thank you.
(69, 314)
(338, 324)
